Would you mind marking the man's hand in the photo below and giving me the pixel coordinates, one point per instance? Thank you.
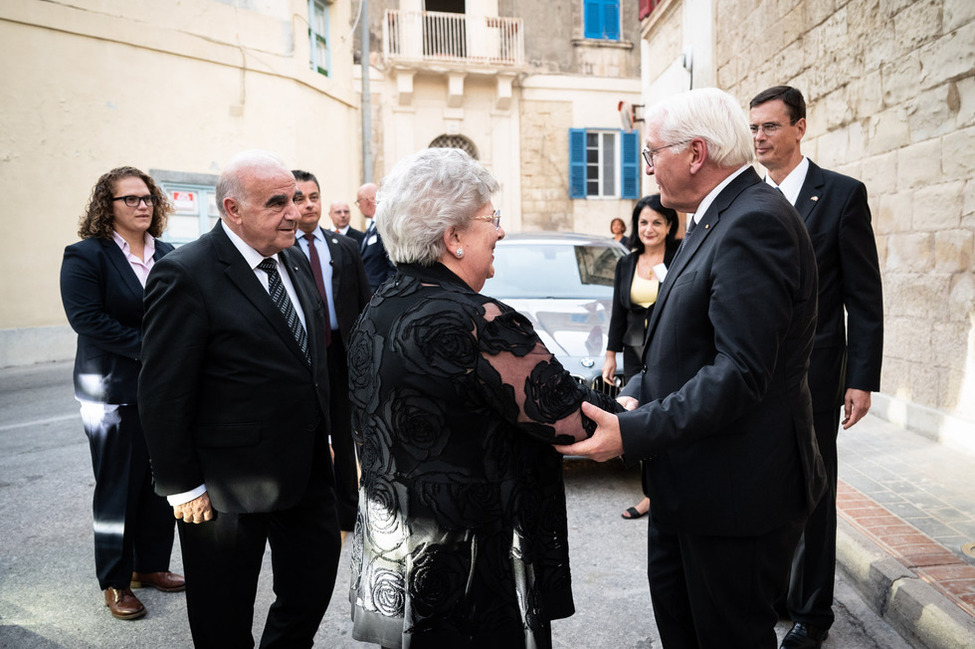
(605, 443)
(197, 510)
(855, 405)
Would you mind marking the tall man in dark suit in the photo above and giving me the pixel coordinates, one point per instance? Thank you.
(336, 264)
(843, 370)
(338, 214)
(234, 390)
(721, 413)
(374, 257)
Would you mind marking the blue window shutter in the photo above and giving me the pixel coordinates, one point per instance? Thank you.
(630, 164)
(611, 20)
(577, 163)
(593, 18)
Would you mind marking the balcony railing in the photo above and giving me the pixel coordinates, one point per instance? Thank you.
(455, 38)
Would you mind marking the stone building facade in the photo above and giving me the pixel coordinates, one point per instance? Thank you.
(173, 87)
(890, 87)
(513, 103)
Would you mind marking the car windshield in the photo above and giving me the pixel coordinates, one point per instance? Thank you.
(561, 270)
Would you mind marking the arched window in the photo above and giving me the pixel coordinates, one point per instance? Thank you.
(454, 142)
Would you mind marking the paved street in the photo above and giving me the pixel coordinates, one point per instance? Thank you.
(49, 597)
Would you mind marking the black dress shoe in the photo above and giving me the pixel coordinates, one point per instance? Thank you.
(804, 636)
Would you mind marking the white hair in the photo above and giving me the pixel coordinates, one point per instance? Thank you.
(230, 182)
(424, 195)
(710, 114)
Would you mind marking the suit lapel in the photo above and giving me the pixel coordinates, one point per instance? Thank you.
(335, 251)
(122, 266)
(707, 224)
(811, 192)
(243, 277)
(307, 296)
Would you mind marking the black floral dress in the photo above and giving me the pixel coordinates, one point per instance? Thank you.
(461, 533)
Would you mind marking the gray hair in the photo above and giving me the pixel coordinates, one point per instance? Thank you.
(710, 114)
(424, 195)
(231, 179)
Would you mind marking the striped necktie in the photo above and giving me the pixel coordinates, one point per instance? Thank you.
(281, 300)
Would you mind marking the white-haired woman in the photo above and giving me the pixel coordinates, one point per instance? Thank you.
(461, 534)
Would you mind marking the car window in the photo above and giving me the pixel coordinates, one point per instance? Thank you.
(553, 270)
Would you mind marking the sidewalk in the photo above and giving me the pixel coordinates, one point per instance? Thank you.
(906, 508)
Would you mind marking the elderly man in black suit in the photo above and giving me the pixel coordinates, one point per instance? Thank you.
(234, 389)
(338, 214)
(721, 413)
(845, 364)
(341, 281)
(374, 255)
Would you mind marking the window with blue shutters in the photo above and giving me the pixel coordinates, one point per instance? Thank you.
(603, 163)
(602, 19)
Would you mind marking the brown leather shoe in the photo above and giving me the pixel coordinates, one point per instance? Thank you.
(123, 604)
(168, 582)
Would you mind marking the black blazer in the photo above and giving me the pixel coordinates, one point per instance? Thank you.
(102, 298)
(355, 235)
(627, 322)
(350, 288)
(227, 398)
(835, 210)
(725, 418)
(374, 258)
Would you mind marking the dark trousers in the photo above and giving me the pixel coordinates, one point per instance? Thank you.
(810, 599)
(712, 592)
(222, 559)
(133, 526)
(343, 443)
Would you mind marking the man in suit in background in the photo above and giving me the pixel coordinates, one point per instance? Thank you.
(721, 413)
(341, 281)
(339, 213)
(374, 257)
(234, 389)
(843, 370)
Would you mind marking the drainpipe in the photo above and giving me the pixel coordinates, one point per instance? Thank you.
(366, 105)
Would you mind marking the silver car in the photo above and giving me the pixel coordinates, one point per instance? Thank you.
(563, 283)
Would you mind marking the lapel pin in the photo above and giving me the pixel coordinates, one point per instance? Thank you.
(814, 198)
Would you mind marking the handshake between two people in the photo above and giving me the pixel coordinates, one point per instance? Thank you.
(606, 442)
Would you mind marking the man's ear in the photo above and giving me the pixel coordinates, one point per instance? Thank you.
(801, 126)
(232, 209)
(699, 149)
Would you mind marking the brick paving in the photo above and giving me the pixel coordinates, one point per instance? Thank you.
(915, 499)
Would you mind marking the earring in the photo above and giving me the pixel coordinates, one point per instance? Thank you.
(460, 253)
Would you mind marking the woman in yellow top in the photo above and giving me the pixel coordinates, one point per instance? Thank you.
(638, 277)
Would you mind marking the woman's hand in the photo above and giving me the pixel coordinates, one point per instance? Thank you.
(609, 368)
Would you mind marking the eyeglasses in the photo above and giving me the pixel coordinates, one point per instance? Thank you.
(133, 201)
(496, 219)
(648, 154)
(769, 128)
(366, 200)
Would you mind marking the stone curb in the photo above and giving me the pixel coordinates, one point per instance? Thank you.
(924, 616)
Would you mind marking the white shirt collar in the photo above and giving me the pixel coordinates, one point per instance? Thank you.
(713, 194)
(792, 184)
(251, 256)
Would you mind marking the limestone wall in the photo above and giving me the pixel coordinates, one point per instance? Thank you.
(890, 86)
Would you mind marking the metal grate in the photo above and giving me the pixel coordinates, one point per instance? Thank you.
(598, 385)
(454, 142)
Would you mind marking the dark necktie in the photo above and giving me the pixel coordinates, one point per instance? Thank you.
(281, 300)
(316, 270)
(365, 239)
(691, 224)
